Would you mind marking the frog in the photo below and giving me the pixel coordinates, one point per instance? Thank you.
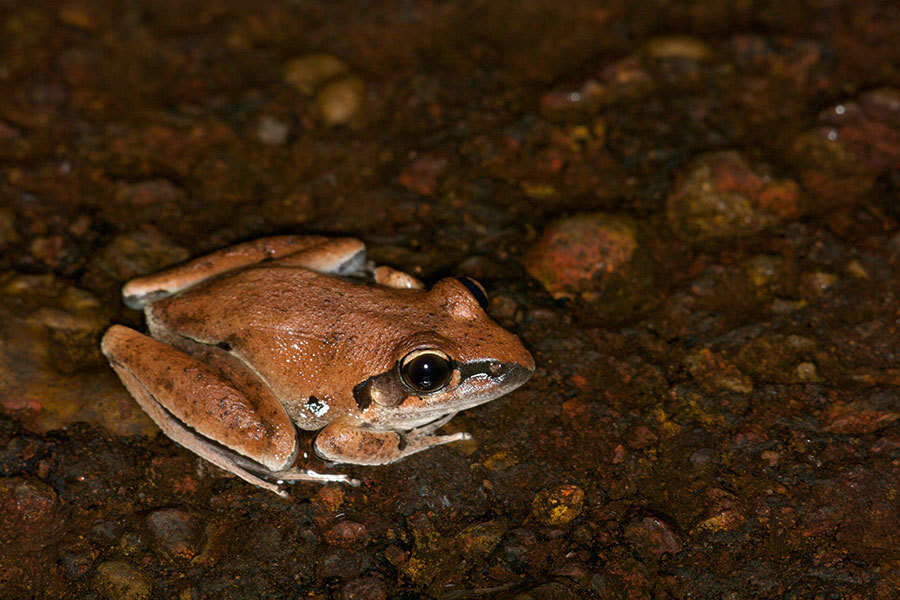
(253, 344)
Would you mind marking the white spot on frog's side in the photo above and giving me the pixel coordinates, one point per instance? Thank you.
(317, 406)
(839, 109)
(832, 135)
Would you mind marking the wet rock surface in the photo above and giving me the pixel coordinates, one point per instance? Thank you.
(690, 219)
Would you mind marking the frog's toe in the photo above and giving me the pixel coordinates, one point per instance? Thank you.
(292, 475)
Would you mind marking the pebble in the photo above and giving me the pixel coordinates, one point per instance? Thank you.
(272, 131)
(147, 194)
(175, 532)
(558, 504)
(860, 417)
(654, 535)
(763, 270)
(307, 73)
(370, 587)
(678, 47)
(131, 543)
(818, 282)
(855, 141)
(128, 255)
(806, 372)
(119, 580)
(422, 175)
(151, 200)
(76, 564)
(622, 81)
(477, 541)
(347, 534)
(340, 101)
(719, 196)
(80, 15)
(27, 514)
(329, 498)
(581, 255)
(713, 372)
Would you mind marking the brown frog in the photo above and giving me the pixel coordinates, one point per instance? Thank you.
(253, 341)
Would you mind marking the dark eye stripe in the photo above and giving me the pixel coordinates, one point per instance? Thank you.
(475, 289)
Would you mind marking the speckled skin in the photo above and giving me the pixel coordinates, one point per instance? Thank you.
(251, 341)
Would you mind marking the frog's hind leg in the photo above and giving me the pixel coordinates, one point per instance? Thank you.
(317, 253)
(201, 410)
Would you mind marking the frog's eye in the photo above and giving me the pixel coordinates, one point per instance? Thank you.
(426, 371)
(476, 289)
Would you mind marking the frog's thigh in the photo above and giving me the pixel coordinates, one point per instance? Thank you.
(198, 408)
(323, 251)
(342, 441)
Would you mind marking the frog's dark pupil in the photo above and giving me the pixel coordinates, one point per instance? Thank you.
(427, 372)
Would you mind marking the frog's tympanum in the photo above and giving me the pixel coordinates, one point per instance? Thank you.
(254, 341)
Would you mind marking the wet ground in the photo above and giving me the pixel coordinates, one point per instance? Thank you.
(688, 211)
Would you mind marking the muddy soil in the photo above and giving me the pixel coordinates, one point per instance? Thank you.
(688, 211)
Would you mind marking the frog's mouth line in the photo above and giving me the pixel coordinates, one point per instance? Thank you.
(498, 380)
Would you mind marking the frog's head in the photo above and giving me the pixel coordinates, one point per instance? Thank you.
(456, 358)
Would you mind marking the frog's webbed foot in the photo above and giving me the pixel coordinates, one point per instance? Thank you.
(346, 442)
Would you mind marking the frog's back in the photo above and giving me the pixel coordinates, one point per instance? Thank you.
(267, 297)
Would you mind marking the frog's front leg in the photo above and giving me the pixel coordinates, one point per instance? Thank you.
(345, 441)
(197, 407)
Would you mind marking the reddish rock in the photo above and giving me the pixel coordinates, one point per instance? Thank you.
(329, 497)
(720, 195)
(869, 127)
(713, 372)
(558, 505)
(622, 81)
(421, 176)
(856, 141)
(595, 256)
(654, 535)
(477, 541)
(119, 580)
(347, 534)
(27, 514)
(176, 532)
(858, 417)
